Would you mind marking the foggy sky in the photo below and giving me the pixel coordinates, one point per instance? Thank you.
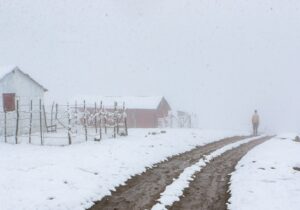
(218, 58)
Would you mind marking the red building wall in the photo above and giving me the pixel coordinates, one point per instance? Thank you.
(147, 118)
(141, 118)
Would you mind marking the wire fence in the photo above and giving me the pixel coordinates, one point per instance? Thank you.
(38, 123)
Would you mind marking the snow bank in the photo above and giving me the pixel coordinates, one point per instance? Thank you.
(173, 192)
(265, 178)
(73, 177)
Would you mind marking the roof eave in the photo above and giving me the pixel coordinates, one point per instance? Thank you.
(27, 75)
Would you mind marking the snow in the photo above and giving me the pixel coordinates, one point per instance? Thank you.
(131, 102)
(73, 177)
(173, 192)
(265, 178)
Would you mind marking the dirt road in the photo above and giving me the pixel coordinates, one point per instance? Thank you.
(142, 191)
(209, 190)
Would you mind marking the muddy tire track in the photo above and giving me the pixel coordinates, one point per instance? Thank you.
(209, 189)
(142, 191)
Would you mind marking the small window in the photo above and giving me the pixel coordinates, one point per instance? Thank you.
(9, 102)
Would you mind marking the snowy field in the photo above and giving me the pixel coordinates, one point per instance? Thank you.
(72, 177)
(266, 179)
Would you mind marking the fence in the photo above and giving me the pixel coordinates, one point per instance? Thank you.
(62, 124)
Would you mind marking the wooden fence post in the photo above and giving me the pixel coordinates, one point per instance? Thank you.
(69, 124)
(41, 126)
(126, 130)
(125, 119)
(114, 130)
(85, 121)
(95, 120)
(115, 119)
(76, 117)
(118, 128)
(5, 126)
(51, 121)
(30, 122)
(17, 123)
(56, 115)
(100, 121)
(45, 118)
(105, 122)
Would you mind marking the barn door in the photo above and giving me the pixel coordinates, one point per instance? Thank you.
(9, 103)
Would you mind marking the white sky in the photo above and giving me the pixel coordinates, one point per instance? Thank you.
(218, 58)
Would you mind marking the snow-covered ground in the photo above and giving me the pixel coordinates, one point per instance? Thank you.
(59, 138)
(265, 178)
(72, 177)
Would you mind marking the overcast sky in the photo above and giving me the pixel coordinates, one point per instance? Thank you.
(218, 58)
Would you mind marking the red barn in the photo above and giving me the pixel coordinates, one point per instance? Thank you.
(152, 115)
(142, 111)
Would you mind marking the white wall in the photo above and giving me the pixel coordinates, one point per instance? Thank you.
(25, 90)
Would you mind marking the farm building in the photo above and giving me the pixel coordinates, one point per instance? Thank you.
(142, 111)
(15, 85)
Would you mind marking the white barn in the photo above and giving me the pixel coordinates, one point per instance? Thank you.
(15, 85)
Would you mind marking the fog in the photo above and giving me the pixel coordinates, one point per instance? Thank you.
(220, 59)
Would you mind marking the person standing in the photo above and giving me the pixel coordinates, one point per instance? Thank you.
(255, 123)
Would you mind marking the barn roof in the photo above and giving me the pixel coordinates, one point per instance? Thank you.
(131, 102)
(5, 70)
